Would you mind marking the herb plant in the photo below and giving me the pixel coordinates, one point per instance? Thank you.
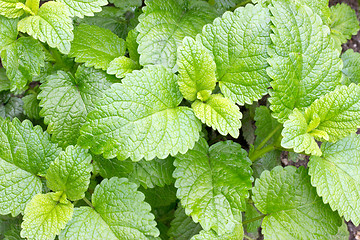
(168, 119)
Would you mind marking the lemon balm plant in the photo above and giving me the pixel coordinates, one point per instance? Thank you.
(132, 120)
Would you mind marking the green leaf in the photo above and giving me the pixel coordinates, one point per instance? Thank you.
(157, 172)
(126, 5)
(265, 125)
(4, 81)
(140, 118)
(201, 176)
(67, 100)
(182, 226)
(343, 233)
(22, 60)
(239, 51)
(219, 113)
(132, 45)
(266, 162)
(8, 30)
(119, 213)
(25, 152)
(164, 24)
(70, 173)
(10, 9)
(121, 66)
(237, 234)
(330, 118)
(111, 18)
(31, 106)
(336, 176)
(304, 62)
(294, 211)
(159, 197)
(80, 8)
(96, 46)
(52, 25)
(13, 233)
(250, 213)
(223, 5)
(344, 23)
(12, 108)
(45, 215)
(351, 61)
(196, 68)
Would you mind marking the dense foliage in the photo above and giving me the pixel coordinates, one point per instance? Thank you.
(167, 119)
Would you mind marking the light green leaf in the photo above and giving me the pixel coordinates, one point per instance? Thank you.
(25, 153)
(294, 210)
(96, 46)
(304, 62)
(121, 66)
(66, 101)
(336, 176)
(219, 113)
(157, 172)
(140, 118)
(351, 68)
(344, 23)
(320, 7)
(164, 24)
(45, 215)
(238, 42)
(182, 226)
(4, 81)
(22, 60)
(338, 113)
(119, 213)
(201, 176)
(8, 30)
(197, 70)
(237, 234)
(12, 108)
(52, 25)
(70, 173)
(80, 8)
(10, 9)
(296, 135)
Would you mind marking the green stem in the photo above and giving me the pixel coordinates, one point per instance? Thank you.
(289, 150)
(268, 137)
(247, 237)
(88, 202)
(259, 153)
(254, 219)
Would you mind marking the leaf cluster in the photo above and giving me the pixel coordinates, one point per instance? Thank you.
(138, 120)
